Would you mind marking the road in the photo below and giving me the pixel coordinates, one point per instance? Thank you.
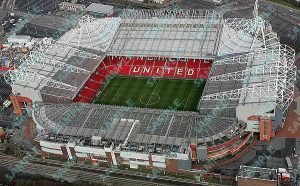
(92, 174)
(8, 5)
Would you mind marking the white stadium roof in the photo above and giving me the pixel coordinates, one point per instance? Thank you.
(91, 33)
(171, 37)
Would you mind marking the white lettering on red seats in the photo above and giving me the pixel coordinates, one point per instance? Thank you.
(179, 71)
(146, 69)
(136, 70)
(190, 72)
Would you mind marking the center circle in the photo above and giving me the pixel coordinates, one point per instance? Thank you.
(149, 99)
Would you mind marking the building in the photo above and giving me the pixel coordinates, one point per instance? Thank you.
(247, 89)
(71, 7)
(19, 39)
(257, 176)
(100, 10)
(40, 26)
(161, 1)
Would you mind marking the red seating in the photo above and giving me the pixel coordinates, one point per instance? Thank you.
(81, 99)
(88, 93)
(97, 78)
(124, 70)
(192, 73)
(104, 71)
(101, 65)
(149, 63)
(146, 70)
(107, 61)
(204, 73)
(181, 64)
(115, 61)
(157, 71)
(112, 69)
(136, 70)
(169, 72)
(93, 85)
(171, 64)
(206, 64)
(159, 63)
(193, 64)
(139, 61)
(127, 61)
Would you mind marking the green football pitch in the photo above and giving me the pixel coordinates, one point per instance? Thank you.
(159, 93)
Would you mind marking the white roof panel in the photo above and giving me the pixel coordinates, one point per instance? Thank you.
(99, 8)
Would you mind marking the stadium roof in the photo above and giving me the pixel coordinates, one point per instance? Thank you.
(52, 22)
(170, 34)
(264, 76)
(160, 127)
(56, 69)
(91, 33)
(253, 59)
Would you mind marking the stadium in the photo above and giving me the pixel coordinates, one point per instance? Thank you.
(157, 88)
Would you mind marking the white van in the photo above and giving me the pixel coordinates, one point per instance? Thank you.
(219, 2)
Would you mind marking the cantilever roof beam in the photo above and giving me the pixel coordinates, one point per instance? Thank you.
(25, 75)
(46, 60)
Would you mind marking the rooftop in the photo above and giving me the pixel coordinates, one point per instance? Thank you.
(172, 34)
(99, 8)
(137, 125)
(258, 173)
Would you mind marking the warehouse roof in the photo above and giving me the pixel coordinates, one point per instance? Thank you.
(99, 8)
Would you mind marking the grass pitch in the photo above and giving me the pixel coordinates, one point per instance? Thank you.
(149, 92)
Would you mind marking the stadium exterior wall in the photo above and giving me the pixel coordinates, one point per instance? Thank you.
(116, 156)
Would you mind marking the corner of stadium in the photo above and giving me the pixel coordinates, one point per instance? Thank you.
(85, 110)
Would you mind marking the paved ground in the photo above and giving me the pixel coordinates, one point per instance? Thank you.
(197, 4)
(72, 173)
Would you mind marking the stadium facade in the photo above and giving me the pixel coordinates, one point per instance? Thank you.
(249, 86)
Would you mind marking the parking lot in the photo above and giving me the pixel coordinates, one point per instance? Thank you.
(10, 21)
(6, 115)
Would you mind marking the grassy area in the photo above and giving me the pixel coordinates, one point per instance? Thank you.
(285, 3)
(159, 93)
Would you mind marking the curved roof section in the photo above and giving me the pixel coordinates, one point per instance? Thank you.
(245, 35)
(264, 76)
(92, 33)
(113, 123)
(55, 68)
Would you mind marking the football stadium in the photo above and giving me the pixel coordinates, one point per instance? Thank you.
(158, 89)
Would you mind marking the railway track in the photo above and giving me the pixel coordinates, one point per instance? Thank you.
(74, 173)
